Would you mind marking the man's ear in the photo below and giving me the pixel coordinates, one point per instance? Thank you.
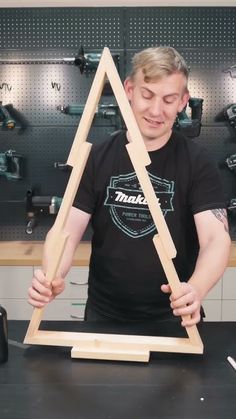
(183, 101)
(128, 86)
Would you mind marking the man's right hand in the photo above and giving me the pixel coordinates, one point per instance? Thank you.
(41, 291)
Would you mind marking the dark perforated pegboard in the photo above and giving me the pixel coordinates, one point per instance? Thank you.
(204, 36)
(182, 27)
(58, 28)
(41, 147)
(221, 143)
(37, 90)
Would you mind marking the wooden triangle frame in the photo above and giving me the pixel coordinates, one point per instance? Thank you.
(97, 345)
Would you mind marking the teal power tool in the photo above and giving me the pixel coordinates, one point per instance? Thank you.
(190, 126)
(37, 205)
(86, 62)
(11, 165)
(6, 120)
(106, 111)
(89, 62)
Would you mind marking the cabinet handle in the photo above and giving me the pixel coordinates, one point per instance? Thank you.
(76, 317)
(78, 283)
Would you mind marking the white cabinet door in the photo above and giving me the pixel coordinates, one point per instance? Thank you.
(14, 284)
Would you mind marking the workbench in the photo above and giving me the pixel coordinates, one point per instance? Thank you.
(40, 382)
(23, 253)
(29, 253)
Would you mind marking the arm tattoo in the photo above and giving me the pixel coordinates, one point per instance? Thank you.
(221, 215)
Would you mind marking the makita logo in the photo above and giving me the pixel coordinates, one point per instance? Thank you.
(131, 199)
(126, 198)
(128, 206)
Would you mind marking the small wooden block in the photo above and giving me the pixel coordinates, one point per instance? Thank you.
(120, 355)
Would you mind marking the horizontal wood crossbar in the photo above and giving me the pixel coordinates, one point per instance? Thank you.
(99, 341)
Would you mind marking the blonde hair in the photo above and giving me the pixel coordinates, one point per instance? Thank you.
(157, 62)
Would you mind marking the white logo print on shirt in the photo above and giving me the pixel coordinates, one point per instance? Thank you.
(128, 206)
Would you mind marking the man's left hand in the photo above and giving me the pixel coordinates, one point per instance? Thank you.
(185, 303)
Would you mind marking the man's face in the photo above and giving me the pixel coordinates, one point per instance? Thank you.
(155, 105)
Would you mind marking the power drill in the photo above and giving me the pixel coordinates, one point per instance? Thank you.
(39, 205)
(190, 126)
(11, 165)
(106, 111)
(89, 62)
(6, 121)
(230, 114)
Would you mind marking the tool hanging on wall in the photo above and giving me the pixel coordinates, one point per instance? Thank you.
(106, 111)
(228, 114)
(6, 120)
(89, 62)
(10, 117)
(11, 165)
(230, 162)
(231, 70)
(190, 126)
(86, 62)
(37, 205)
(61, 166)
(232, 206)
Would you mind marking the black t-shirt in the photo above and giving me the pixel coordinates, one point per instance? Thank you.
(125, 272)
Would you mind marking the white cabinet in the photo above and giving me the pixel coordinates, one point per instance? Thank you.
(14, 284)
(229, 295)
(220, 303)
(212, 305)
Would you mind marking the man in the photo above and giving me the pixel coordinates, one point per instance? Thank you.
(126, 279)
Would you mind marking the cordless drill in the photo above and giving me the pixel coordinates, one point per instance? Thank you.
(11, 165)
(37, 205)
(6, 121)
(190, 126)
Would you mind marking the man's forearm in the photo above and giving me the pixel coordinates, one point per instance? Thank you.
(76, 224)
(67, 257)
(211, 263)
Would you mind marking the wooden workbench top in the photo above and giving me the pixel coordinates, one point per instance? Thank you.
(23, 253)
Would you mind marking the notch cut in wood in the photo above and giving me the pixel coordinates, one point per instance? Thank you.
(100, 346)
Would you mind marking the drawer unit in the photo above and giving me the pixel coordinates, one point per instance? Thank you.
(14, 284)
(220, 303)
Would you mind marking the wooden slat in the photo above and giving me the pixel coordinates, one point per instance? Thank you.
(114, 342)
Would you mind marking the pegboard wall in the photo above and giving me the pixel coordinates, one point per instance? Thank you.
(36, 79)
